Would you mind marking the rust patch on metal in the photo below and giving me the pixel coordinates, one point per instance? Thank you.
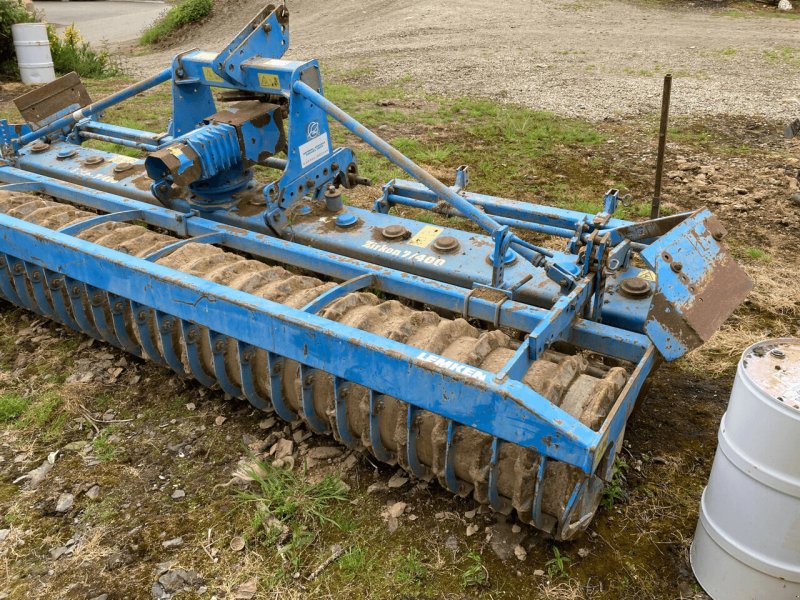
(716, 297)
(132, 171)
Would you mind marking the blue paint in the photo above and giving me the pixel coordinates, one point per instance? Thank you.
(576, 296)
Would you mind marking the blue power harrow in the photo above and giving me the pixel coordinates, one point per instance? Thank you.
(493, 365)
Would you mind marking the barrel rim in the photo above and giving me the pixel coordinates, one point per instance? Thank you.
(742, 371)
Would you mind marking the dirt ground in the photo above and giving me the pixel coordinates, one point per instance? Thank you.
(590, 59)
(141, 489)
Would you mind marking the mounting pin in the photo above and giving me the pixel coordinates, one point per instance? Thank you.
(333, 199)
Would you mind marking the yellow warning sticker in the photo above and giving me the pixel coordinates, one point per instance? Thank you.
(425, 236)
(176, 152)
(648, 275)
(269, 80)
(210, 75)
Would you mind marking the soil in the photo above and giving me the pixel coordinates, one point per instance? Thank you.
(573, 57)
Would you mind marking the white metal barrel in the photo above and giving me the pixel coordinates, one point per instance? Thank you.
(33, 53)
(747, 543)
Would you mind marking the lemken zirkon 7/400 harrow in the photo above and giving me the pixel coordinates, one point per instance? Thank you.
(496, 366)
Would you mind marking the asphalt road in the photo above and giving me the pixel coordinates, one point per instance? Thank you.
(103, 22)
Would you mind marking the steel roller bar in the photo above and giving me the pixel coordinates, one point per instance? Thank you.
(508, 410)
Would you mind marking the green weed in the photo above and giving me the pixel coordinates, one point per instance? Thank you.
(558, 565)
(476, 573)
(614, 491)
(180, 15)
(785, 55)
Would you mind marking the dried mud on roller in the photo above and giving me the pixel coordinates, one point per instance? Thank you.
(583, 385)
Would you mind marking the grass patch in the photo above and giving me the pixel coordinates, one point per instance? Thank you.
(410, 570)
(785, 55)
(504, 144)
(614, 492)
(40, 415)
(749, 14)
(287, 511)
(41, 412)
(180, 15)
(757, 254)
(102, 446)
(11, 407)
(355, 563)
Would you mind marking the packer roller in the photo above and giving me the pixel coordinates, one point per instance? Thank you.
(496, 366)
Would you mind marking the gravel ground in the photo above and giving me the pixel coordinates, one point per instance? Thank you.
(587, 59)
(103, 22)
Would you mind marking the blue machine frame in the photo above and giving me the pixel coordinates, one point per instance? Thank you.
(590, 296)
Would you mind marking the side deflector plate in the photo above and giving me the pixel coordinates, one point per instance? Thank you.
(699, 285)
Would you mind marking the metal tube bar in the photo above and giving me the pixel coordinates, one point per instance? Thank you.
(662, 144)
(505, 207)
(409, 166)
(129, 133)
(275, 163)
(96, 107)
(518, 223)
(88, 135)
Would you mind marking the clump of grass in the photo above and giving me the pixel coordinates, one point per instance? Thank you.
(785, 55)
(40, 412)
(287, 510)
(614, 492)
(73, 53)
(355, 563)
(180, 15)
(11, 407)
(40, 415)
(410, 568)
(757, 254)
(103, 448)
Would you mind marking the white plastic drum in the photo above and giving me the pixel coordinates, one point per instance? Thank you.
(33, 53)
(747, 543)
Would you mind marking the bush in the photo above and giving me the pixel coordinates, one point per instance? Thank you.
(11, 12)
(73, 53)
(180, 15)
